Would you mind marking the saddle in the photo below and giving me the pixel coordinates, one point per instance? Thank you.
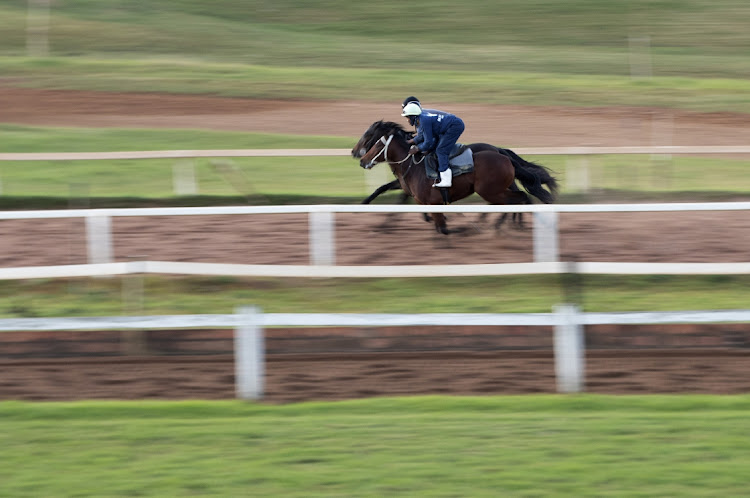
(460, 159)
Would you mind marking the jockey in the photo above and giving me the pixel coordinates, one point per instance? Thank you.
(436, 131)
(416, 100)
(408, 100)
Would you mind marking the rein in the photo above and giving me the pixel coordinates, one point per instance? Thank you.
(384, 151)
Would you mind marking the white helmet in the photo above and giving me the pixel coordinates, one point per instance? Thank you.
(412, 109)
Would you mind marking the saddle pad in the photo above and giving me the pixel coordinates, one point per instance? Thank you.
(460, 164)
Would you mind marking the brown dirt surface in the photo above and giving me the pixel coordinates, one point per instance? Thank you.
(509, 126)
(295, 378)
(368, 240)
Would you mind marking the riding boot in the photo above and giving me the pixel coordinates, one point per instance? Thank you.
(446, 179)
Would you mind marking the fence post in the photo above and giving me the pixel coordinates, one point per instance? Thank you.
(545, 237)
(183, 178)
(569, 349)
(322, 243)
(99, 238)
(249, 354)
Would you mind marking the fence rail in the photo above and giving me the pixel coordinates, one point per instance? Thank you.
(322, 236)
(249, 349)
(184, 154)
(329, 271)
(232, 320)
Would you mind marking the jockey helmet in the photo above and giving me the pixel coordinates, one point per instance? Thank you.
(410, 99)
(412, 109)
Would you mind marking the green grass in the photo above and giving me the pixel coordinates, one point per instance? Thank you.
(316, 180)
(510, 294)
(422, 446)
(20, 138)
(540, 52)
(509, 86)
(153, 179)
(345, 34)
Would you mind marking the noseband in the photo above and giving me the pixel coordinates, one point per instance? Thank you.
(386, 142)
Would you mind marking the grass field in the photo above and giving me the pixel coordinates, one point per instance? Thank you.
(306, 179)
(423, 446)
(688, 54)
(509, 294)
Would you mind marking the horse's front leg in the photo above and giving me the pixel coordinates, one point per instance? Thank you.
(440, 225)
(394, 185)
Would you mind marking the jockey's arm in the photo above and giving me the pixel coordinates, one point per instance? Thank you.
(428, 136)
(417, 139)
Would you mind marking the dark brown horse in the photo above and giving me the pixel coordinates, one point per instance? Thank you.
(532, 176)
(491, 178)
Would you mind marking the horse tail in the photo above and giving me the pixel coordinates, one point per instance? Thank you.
(533, 177)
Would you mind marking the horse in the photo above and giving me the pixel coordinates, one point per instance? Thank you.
(491, 178)
(534, 177)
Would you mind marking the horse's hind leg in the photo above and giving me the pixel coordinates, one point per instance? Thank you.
(518, 221)
(500, 220)
(508, 197)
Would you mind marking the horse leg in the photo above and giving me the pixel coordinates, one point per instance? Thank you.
(500, 220)
(510, 196)
(518, 221)
(519, 198)
(402, 199)
(440, 225)
(515, 196)
(394, 185)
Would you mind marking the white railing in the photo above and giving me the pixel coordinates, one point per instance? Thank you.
(184, 154)
(322, 243)
(354, 271)
(249, 322)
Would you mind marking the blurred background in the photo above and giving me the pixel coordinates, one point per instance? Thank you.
(128, 75)
(536, 76)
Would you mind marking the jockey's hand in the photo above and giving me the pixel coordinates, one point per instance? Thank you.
(413, 150)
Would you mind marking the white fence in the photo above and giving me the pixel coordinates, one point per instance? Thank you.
(567, 320)
(322, 226)
(249, 322)
(186, 154)
(322, 243)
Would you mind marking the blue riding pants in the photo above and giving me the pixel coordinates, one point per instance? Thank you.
(446, 143)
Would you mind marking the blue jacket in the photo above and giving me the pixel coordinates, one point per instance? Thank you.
(432, 125)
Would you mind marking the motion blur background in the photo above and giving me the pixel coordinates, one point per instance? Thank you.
(109, 75)
(133, 75)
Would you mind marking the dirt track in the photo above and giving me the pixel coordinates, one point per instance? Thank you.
(509, 126)
(282, 239)
(335, 377)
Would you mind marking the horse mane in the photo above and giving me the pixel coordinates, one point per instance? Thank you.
(384, 128)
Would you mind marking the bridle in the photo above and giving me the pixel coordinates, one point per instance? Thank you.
(384, 151)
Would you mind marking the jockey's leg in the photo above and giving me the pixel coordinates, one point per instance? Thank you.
(444, 147)
(446, 175)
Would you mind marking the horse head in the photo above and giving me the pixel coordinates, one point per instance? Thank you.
(374, 132)
(379, 148)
